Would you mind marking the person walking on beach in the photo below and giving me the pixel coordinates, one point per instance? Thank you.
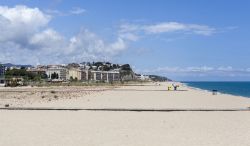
(175, 86)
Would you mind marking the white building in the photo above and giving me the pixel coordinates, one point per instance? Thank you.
(144, 77)
(78, 74)
(106, 76)
(61, 72)
(74, 73)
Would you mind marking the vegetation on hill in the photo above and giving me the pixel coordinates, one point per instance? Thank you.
(24, 74)
(159, 78)
(126, 73)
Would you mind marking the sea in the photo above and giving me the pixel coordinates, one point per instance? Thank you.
(233, 88)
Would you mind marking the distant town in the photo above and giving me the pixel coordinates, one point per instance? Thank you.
(85, 72)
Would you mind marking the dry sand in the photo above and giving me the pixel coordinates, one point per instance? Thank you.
(28, 96)
(80, 128)
(28, 128)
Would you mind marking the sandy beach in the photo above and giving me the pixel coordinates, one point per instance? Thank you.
(65, 127)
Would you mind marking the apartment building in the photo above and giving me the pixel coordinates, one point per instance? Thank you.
(61, 72)
(39, 71)
(106, 76)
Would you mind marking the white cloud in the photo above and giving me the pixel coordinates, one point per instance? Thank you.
(129, 36)
(19, 22)
(134, 30)
(73, 11)
(77, 11)
(181, 70)
(124, 28)
(164, 27)
(26, 38)
(225, 69)
(54, 12)
(117, 46)
(48, 40)
(89, 43)
(26, 16)
(198, 71)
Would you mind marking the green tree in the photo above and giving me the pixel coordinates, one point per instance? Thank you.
(105, 68)
(54, 75)
(44, 76)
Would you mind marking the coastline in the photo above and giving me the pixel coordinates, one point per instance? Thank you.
(218, 92)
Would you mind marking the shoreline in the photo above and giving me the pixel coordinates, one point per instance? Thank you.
(205, 90)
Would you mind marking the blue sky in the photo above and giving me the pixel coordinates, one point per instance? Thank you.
(184, 40)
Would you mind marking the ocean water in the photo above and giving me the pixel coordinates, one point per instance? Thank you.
(233, 88)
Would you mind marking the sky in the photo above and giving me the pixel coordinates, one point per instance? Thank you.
(190, 40)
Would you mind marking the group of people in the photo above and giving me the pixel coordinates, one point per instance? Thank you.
(174, 86)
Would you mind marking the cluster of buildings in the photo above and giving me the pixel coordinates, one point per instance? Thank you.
(84, 72)
(76, 72)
